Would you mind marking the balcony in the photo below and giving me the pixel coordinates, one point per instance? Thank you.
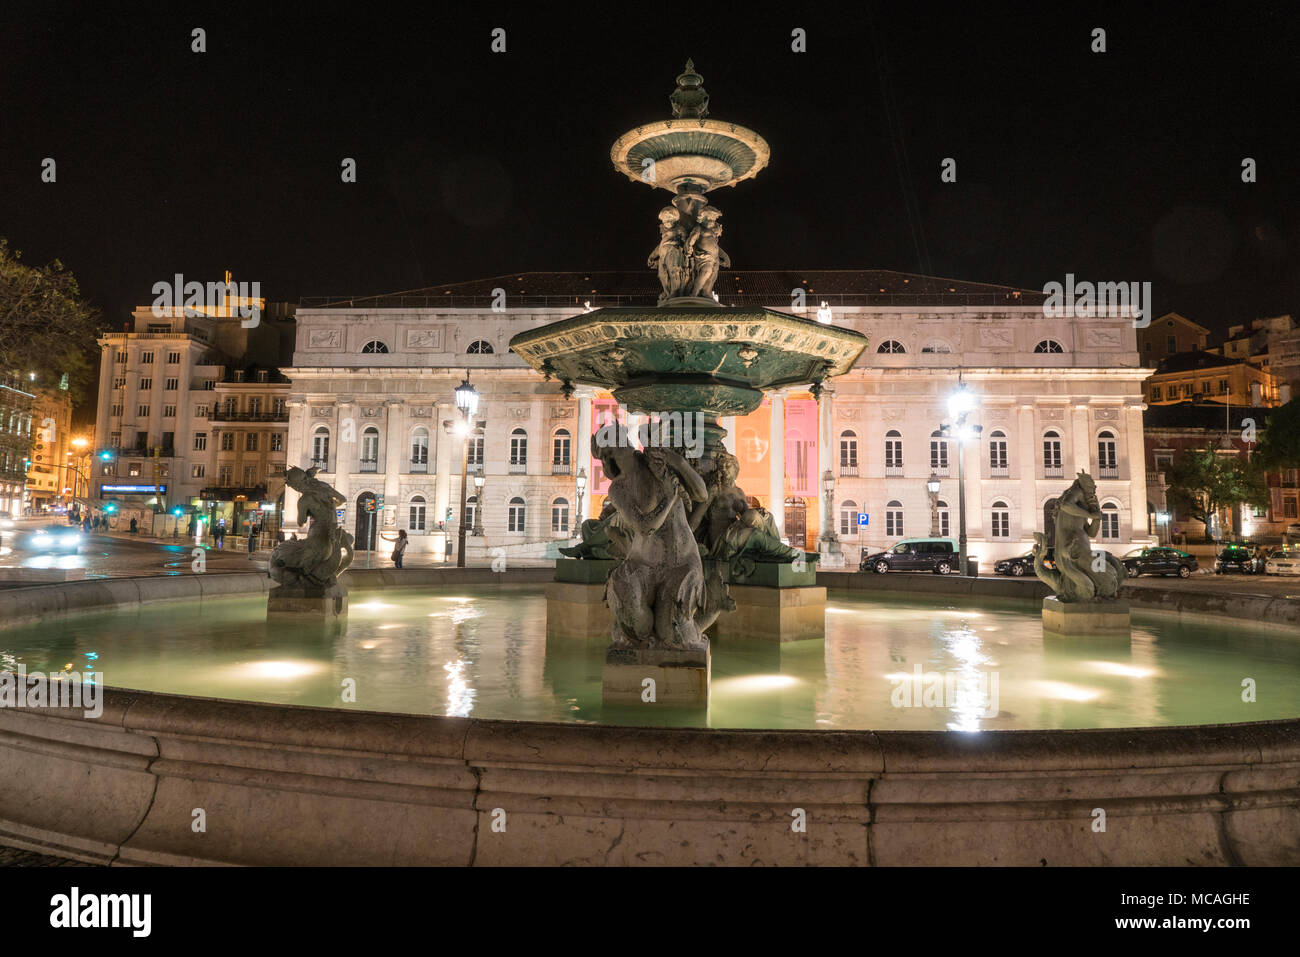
(221, 415)
(893, 471)
(1053, 471)
(561, 468)
(848, 471)
(999, 471)
(420, 468)
(1108, 472)
(518, 468)
(941, 471)
(322, 464)
(369, 465)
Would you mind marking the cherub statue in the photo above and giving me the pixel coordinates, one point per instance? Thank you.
(1078, 575)
(326, 552)
(669, 256)
(656, 592)
(727, 527)
(705, 255)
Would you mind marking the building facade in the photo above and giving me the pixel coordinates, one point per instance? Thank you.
(52, 469)
(15, 443)
(371, 403)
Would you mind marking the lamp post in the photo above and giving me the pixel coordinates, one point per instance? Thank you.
(828, 487)
(467, 402)
(479, 482)
(960, 404)
(932, 487)
(582, 490)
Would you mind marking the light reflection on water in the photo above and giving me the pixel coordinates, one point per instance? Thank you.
(487, 655)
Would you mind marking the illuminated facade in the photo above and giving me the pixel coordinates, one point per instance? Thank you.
(372, 403)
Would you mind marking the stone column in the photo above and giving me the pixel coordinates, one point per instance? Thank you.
(582, 450)
(776, 460)
(395, 440)
(346, 435)
(828, 541)
(1080, 457)
(442, 459)
(1135, 462)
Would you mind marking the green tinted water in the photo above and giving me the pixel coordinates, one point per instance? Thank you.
(487, 655)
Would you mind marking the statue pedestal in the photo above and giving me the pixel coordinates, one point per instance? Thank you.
(681, 678)
(307, 602)
(765, 613)
(575, 601)
(1086, 617)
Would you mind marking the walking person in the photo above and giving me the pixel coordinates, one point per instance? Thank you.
(219, 534)
(135, 527)
(252, 539)
(400, 548)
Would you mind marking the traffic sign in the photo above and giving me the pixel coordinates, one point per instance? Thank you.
(862, 519)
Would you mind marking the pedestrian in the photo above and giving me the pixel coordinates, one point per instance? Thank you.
(85, 524)
(135, 527)
(252, 539)
(400, 548)
(219, 534)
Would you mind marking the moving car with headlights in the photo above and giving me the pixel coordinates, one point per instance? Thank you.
(1240, 557)
(1282, 560)
(1023, 565)
(52, 540)
(938, 555)
(1159, 560)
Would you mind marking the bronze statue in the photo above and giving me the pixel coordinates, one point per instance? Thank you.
(1079, 576)
(326, 552)
(728, 529)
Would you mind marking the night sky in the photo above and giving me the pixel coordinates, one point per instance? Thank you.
(1122, 166)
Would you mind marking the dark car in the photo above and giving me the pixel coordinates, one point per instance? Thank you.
(1023, 564)
(1239, 557)
(51, 540)
(1159, 560)
(938, 555)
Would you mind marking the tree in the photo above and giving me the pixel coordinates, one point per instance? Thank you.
(1202, 481)
(45, 325)
(1279, 447)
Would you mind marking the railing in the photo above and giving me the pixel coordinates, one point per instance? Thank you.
(1111, 472)
(941, 471)
(221, 415)
(848, 471)
(369, 465)
(1053, 471)
(420, 468)
(893, 471)
(651, 298)
(999, 471)
(322, 464)
(561, 468)
(518, 468)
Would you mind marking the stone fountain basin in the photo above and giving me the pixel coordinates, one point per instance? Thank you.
(671, 358)
(309, 786)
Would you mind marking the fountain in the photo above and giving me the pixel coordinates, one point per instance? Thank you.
(1086, 582)
(307, 570)
(677, 532)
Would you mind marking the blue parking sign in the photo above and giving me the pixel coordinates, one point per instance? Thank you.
(862, 519)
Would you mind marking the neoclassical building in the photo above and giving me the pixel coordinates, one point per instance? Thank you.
(372, 404)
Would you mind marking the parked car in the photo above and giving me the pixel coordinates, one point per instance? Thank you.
(938, 555)
(51, 540)
(1293, 531)
(1282, 560)
(1239, 557)
(1159, 560)
(1023, 565)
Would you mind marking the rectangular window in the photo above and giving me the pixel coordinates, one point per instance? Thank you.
(225, 475)
(169, 411)
(250, 476)
(1289, 507)
(146, 384)
(1001, 523)
(998, 453)
(417, 517)
(893, 453)
(171, 385)
(227, 441)
(278, 406)
(119, 382)
(115, 440)
(894, 522)
(121, 358)
(146, 357)
(209, 384)
(277, 441)
(250, 442)
(1205, 387)
(196, 471)
(1223, 387)
(173, 358)
(848, 453)
(474, 452)
(116, 409)
(1155, 393)
(200, 411)
(515, 518)
(133, 470)
(560, 519)
(938, 455)
(1171, 344)
(142, 411)
(200, 441)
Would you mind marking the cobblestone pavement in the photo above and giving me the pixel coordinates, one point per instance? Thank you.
(16, 857)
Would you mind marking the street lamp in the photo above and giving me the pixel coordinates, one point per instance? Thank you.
(932, 487)
(960, 404)
(828, 524)
(467, 402)
(479, 482)
(582, 490)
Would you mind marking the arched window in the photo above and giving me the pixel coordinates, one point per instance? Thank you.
(1001, 515)
(1048, 346)
(471, 512)
(480, 347)
(420, 450)
(941, 510)
(1107, 461)
(848, 452)
(893, 452)
(1109, 522)
(1052, 453)
(374, 346)
(416, 518)
(936, 345)
(320, 448)
(998, 453)
(891, 347)
(894, 519)
(938, 453)
(560, 446)
(370, 449)
(849, 517)
(515, 516)
(518, 450)
(560, 517)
